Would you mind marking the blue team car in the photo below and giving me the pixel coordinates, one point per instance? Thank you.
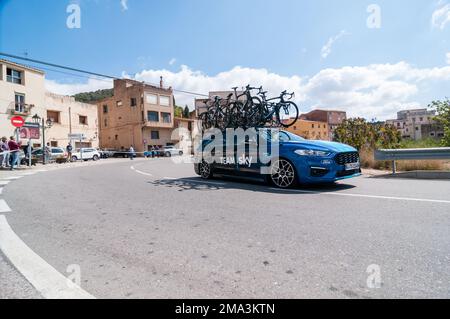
(297, 160)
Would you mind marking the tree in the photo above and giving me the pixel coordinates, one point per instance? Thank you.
(186, 112)
(90, 97)
(360, 134)
(443, 117)
(178, 111)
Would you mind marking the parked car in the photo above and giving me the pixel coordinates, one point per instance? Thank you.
(298, 160)
(86, 154)
(105, 153)
(57, 153)
(169, 151)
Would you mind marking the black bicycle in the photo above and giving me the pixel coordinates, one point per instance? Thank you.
(244, 113)
(283, 113)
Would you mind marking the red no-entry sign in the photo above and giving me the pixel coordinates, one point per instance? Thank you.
(17, 121)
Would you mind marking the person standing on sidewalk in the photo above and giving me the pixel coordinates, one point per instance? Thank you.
(132, 153)
(14, 148)
(47, 153)
(69, 149)
(5, 152)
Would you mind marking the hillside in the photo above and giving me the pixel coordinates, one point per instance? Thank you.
(91, 97)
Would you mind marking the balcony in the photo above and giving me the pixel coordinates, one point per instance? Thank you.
(20, 109)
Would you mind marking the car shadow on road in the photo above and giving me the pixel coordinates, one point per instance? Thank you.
(198, 184)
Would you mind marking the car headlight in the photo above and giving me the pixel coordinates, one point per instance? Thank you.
(312, 153)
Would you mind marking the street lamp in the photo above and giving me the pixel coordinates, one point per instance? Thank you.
(43, 124)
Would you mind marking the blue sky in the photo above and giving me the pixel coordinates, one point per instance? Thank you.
(200, 45)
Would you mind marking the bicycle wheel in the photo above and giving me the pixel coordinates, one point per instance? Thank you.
(235, 114)
(287, 114)
(253, 113)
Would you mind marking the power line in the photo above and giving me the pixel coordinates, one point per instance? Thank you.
(83, 71)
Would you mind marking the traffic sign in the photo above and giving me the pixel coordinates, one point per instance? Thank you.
(17, 121)
(76, 137)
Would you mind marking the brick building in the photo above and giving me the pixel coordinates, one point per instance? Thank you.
(332, 118)
(137, 114)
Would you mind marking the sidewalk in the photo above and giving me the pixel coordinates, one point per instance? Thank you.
(5, 172)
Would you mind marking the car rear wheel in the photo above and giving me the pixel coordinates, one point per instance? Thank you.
(168, 154)
(95, 158)
(205, 170)
(181, 153)
(74, 159)
(282, 173)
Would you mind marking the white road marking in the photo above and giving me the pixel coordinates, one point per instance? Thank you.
(1, 190)
(366, 196)
(4, 208)
(3, 183)
(132, 167)
(27, 173)
(46, 279)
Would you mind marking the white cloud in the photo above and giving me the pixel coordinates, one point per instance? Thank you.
(441, 17)
(124, 4)
(378, 90)
(448, 58)
(172, 61)
(326, 49)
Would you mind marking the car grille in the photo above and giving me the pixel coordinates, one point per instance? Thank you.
(346, 158)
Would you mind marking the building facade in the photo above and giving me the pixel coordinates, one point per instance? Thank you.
(417, 124)
(311, 130)
(23, 93)
(70, 117)
(332, 118)
(138, 115)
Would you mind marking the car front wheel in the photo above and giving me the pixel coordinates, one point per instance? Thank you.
(282, 173)
(95, 158)
(74, 159)
(205, 170)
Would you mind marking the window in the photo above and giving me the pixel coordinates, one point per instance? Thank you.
(312, 125)
(105, 124)
(155, 135)
(119, 103)
(153, 116)
(151, 98)
(133, 102)
(105, 109)
(421, 119)
(83, 120)
(116, 137)
(164, 100)
(166, 117)
(19, 103)
(14, 76)
(53, 116)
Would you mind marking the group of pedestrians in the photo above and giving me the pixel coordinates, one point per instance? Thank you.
(9, 152)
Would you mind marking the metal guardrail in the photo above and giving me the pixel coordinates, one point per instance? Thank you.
(412, 154)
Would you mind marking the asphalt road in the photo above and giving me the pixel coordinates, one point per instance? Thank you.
(153, 229)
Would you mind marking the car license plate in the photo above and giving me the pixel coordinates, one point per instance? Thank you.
(351, 166)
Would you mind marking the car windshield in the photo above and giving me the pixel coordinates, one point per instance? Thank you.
(281, 136)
